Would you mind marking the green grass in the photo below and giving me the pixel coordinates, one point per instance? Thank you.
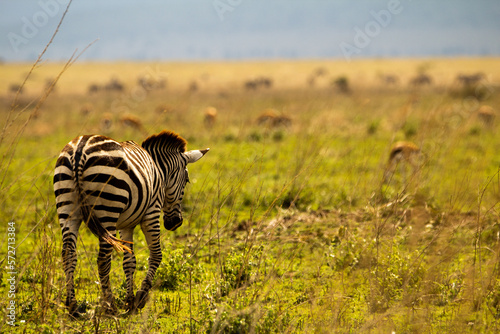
(287, 229)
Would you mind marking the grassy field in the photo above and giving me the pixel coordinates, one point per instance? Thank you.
(289, 227)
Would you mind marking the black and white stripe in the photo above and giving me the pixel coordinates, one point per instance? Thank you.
(114, 186)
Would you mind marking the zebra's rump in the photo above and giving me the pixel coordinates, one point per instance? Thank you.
(97, 177)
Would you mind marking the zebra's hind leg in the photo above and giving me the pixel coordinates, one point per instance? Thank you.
(69, 229)
(104, 267)
(129, 265)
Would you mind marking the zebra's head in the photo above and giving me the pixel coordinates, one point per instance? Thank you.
(178, 179)
(168, 151)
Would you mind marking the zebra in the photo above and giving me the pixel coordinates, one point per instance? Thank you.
(114, 186)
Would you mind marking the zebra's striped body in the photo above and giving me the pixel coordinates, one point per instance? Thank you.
(116, 186)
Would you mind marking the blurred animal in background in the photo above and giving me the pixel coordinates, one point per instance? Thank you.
(405, 155)
(149, 83)
(200, 83)
(272, 118)
(50, 84)
(193, 86)
(389, 79)
(421, 80)
(106, 122)
(114, 85)
(258, 83)
(110, 120)
(486, 115)
(94, 88)
(133, 122)
(210, 116)
(14, 88)
(86, 109)
(317, 74)
(342, 84)
(468, 80)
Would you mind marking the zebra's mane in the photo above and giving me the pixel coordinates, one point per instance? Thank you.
(165, 140)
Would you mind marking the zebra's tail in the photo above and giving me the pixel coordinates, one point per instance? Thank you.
(91, 220)
(97, 229)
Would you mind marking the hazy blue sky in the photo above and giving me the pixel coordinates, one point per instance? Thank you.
(242, 29)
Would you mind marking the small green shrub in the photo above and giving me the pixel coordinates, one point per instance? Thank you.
(232, 322)
(236, 271)
(274, 321)
(176, 269)
(347, 250)
(397, 274)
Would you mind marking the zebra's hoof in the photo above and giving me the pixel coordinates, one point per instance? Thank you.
(109, 308)
(75, 310)
(140, 299)
(131, 311)
(75, 314)
(130, 303)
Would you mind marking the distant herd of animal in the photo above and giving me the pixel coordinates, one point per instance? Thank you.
(259, 83)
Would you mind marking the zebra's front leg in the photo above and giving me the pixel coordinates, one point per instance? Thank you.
(104, 267)
(129, 265)
(152, 233)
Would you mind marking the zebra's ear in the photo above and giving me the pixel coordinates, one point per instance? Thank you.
(195, 155)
